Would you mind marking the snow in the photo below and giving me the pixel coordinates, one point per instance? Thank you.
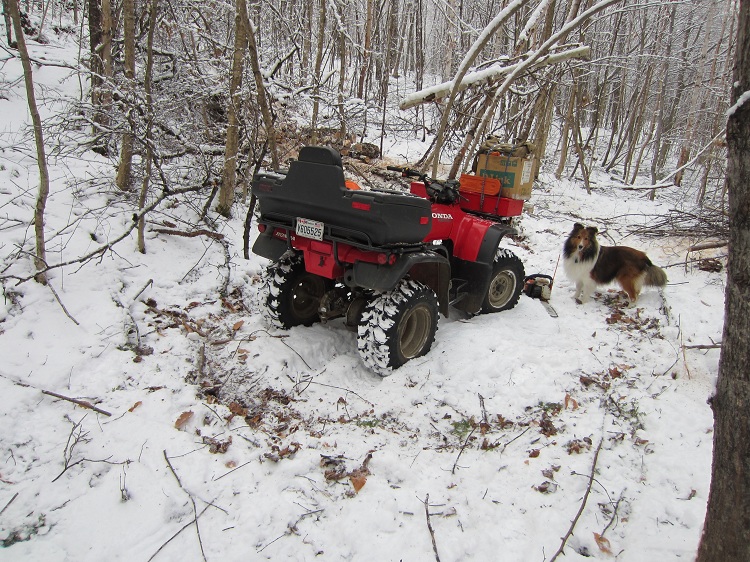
(742, 100)
(498, 424)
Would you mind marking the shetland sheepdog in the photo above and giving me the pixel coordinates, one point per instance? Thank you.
(589, 264)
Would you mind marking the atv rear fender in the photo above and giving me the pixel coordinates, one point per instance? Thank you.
(431, 268)
(478, 273)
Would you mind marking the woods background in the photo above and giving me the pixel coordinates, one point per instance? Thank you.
(212, 90)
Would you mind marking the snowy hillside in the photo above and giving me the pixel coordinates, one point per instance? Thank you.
(219, 437)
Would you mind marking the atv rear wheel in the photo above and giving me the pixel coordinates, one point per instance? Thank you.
(397, 326)
(506, 282)
(293, 293)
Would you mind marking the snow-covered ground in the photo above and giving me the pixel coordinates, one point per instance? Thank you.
(227, 439)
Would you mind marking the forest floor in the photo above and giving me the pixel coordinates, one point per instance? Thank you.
(216, 436)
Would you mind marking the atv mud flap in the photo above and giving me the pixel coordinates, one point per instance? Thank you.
(474, 280)
(430, 268)
(270, 247)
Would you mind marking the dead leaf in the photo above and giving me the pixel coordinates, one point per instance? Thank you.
(603, 543)
(534, 453)
(230, 464)
(570, 402)
(135, 406)
(183, 419)
(237, 409)
(217, 446)
(358, 481)
(238, 325)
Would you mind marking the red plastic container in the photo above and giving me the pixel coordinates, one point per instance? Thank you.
(491, 205)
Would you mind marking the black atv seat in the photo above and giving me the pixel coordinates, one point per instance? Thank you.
(320, 155)
(314, 188)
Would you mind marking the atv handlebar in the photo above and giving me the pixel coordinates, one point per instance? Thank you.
(439, 191)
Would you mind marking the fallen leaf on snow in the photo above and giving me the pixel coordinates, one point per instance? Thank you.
(358, 481)
(603, 543)
(134, 406)
(183, 419)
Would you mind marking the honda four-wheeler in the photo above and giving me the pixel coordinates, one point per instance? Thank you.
(386, 261)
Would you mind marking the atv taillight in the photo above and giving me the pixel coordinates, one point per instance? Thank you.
(382, 259)
(361, 206)
(262, 228)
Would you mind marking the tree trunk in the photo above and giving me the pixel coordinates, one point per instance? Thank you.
(40, 260)
(126, 149)
(149, 125)
(229, 175)
(265, 110)
(726, 534)
(8, 24)
(366, 55)
(316, 71)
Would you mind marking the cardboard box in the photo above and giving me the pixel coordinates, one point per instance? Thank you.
(516, 174)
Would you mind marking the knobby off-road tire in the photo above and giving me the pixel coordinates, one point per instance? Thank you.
(293, 294)
(506, 282)
(397, 326)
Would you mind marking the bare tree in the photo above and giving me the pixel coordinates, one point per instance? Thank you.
(41, 158)
(126, 148)
(726, 536)
(229, 176)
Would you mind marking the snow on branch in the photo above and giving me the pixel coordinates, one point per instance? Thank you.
(740, 102)
(495, 71)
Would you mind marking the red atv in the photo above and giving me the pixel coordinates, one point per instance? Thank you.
(385, 261)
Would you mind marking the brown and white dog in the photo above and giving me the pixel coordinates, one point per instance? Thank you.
(589, 264)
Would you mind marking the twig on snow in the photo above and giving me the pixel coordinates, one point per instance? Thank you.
(583, 503)
(195, 509)
(455, 464)
(429, 526)
(185, 526)
(191, 234)
(10, 502)
(81, 403)
(65, 310)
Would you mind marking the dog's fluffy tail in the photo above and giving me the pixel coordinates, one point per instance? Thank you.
(655, 276)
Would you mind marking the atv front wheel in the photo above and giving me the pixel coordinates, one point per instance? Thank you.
(506, 282)
(397, 326)
(293, 293)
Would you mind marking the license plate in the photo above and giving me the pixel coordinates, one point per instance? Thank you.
(310, 229)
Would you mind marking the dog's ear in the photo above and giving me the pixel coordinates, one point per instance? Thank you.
(577, 226)
(593, 230)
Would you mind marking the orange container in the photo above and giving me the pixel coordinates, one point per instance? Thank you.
(491, 204)
(478, 184)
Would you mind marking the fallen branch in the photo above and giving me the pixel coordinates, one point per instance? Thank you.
(455, 464)
(65, 310)
(191, 234)
(708, 246)
(10, 502)
(704, 346)
(185, 526)
(108, 246)
(195, 509)
(583, 504)
(429, 526)
(81, 403)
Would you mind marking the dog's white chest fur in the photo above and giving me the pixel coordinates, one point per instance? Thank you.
(579, 271)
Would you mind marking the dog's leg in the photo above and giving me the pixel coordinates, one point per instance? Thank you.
(579, 291)
(632, 287)
(584, 294)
